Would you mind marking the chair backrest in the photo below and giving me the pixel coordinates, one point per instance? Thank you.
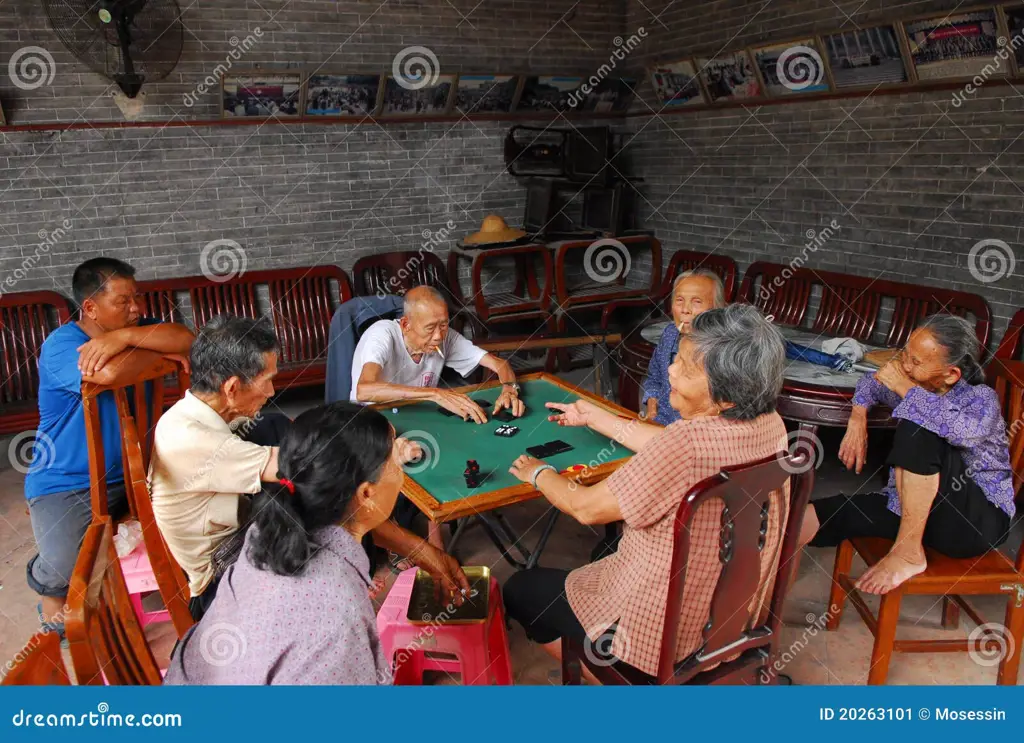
(1007, 377)
(688, 260)
(852, 305)
(1012, 344)
(107, 643)
(399, 271)
(26, 318)
(735, 623)
(136, 452)
(39, 663)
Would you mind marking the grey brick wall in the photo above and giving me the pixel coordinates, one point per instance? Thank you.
(913, 181)
(289, 194)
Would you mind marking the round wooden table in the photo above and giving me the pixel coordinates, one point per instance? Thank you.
(812, 395)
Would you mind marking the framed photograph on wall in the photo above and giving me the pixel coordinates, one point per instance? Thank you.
(729, 77)
(486, 94)
(791, 69)
(418, 96)
(547, 93)
(955, 46)
(261, 94)
(611, 95)
(866, 57)
(1015, 33)
(342, 95)
(676, 84)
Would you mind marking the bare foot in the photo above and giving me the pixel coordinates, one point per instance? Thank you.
(891, 571)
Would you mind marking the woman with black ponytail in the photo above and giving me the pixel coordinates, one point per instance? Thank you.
(294, 608)
(950, 484)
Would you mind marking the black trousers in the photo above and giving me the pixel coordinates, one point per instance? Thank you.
(962, 523)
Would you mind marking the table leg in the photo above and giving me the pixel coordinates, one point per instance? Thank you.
(505, 538)
(602, 372)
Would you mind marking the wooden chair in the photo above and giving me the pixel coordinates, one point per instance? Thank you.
(993, 574)
(39, 664)
(107, 642)
(26, 318)
(737, 645)
(852, 305)
(682, 260)
(136, 450)
(1012, 344)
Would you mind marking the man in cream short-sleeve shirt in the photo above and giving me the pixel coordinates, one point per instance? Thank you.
(403, 359)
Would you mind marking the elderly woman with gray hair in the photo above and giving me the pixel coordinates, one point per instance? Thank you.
(692, 293)
(724, 382)
(950, 484)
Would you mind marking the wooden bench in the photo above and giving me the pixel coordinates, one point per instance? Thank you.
(300, 301)
(26, 318)
(1012, 344)
(853, 305)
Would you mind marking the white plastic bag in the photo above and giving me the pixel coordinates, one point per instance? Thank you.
(128, 537)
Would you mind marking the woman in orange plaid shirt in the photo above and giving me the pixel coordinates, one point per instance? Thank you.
(725, 380)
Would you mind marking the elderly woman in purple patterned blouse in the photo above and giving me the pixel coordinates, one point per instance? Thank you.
(950, 484)
(294, 608)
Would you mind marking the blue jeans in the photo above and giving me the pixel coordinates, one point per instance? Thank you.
(59, 521)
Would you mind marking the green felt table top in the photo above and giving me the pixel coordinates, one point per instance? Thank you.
(449, 442)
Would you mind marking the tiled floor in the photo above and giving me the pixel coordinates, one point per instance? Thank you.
(811, 656)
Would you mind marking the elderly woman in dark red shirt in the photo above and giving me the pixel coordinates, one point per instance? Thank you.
(724, 383)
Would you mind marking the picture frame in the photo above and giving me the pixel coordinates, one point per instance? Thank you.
(1013, 18)
(676, 84)
(867, 57)
(417, 96)
(729, 77)
(794, 68)
(333, 95)
(486, 94)
(547, 93)
(610, 95)
(261, 94)
(955, 47)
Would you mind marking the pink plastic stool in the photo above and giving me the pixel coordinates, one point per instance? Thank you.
(138, 575)
(481, 650)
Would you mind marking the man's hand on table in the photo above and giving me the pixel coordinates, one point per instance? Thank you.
(853, 450)
(445, 570)
(574, 414)
(525, 466)
(509, 399)
(459, 404)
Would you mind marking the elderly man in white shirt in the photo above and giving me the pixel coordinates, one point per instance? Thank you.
(403, 359)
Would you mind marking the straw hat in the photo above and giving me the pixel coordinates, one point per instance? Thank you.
(493, 230)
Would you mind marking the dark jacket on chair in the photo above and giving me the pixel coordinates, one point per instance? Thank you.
(347, 325)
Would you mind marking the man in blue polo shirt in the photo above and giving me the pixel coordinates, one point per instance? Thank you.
(108, 337)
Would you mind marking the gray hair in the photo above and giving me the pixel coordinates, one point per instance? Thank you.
(230, 346)
(744, 357)
(418, 294)
(704, 273)
(957, 336)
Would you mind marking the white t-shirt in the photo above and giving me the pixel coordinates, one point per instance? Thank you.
(383, 344)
